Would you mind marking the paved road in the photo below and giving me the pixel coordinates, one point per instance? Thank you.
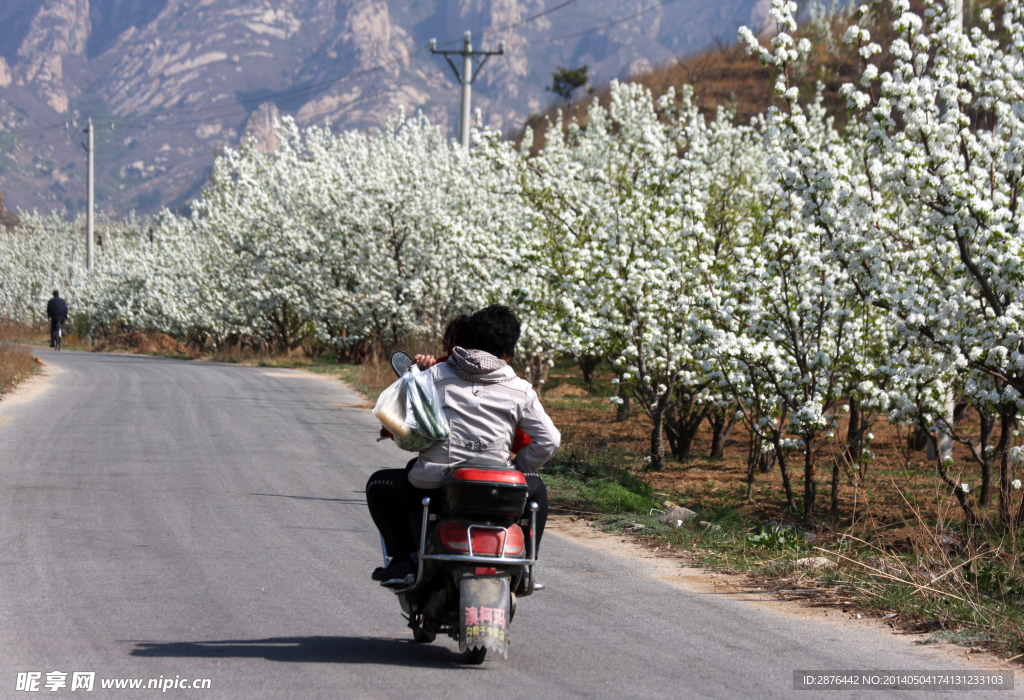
(181, 519)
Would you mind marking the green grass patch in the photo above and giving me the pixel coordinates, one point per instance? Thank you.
(597, 487)
(619, 501)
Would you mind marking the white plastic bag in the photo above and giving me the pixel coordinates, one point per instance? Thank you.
(390, 409)
(411, 410)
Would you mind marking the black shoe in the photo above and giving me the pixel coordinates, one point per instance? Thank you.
(399, 582)
(397, 569)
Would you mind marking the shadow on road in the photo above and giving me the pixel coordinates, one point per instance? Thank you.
(340, 650)
(355, 501)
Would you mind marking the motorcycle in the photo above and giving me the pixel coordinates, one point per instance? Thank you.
(474, 560)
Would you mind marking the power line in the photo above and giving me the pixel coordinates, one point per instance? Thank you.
(47, 143)
(515, 25)
(272, 97)
(597, 28)
(32, 131)
(187, 126)
(354, 101)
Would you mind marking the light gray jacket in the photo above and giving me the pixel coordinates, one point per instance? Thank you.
(484, 416)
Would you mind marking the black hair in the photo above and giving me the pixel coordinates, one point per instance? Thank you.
(56, 293)
(453, 333)
(494, 330)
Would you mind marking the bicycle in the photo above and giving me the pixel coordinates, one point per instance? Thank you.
(56, 332)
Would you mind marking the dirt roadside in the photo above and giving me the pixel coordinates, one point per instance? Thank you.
(28, 388)
(677, 568)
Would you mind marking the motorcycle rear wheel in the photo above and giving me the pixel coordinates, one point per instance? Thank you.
(473, 657)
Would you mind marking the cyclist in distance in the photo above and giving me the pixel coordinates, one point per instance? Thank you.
(57, 310)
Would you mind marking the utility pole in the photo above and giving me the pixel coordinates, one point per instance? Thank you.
(89, 199)
(467, 77)
(944, 440)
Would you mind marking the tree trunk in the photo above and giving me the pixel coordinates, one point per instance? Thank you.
(987, 424)
(683, 429)
(1006, 423)
(1006, 491)
(622, 411)
(657, 443)
(588, 363)
(918, 441)
(753, 457)
(672, 430)
(781, 458)
(720, 429)
(536, 370)
(686, 436)
(833, 508)
(856, 444)
(661, 406)
(965, 500)
(810, 485)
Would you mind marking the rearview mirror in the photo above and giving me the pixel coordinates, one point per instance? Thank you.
(400, 362)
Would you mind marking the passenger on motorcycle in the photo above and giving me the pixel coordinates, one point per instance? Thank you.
(485, 403)
(451, 339)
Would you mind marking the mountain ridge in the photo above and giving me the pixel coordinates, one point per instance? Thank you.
(177, 80)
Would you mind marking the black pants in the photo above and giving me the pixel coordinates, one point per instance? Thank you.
(56, 323)
(391, 499)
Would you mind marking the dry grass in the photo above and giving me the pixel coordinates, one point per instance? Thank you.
(13, 333)
(16, 363)
(37, 335)
(146, 343)
(374, 377)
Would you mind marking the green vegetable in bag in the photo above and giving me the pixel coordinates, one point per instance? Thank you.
(411, 410)
(428, 417)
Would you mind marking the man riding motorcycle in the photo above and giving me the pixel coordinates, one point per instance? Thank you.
(485, 403)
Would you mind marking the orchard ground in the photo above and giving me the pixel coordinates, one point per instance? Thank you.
(901, 549)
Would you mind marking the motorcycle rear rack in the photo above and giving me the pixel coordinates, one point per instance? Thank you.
(466, 558)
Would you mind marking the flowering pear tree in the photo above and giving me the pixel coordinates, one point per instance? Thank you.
(623, 218)
(920, 207)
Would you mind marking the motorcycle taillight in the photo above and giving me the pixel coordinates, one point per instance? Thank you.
(497, 476)
(487, 541)
(516, 542)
